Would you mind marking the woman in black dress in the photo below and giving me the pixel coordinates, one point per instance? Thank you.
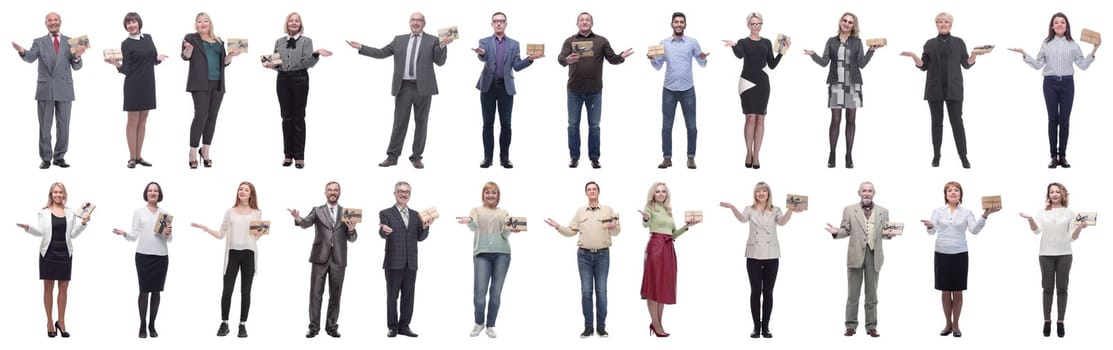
(756, 52)
(137, 64)
(57, 225)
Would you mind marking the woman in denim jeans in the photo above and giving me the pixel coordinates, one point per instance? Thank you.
(491, 249)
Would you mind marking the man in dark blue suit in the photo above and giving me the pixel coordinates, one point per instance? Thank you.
(401, 227)
(496, 85)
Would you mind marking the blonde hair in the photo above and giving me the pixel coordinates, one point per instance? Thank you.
(491, 185)
(212, 32)
(50, 194)
(945, 16)
(753, 15)
(1063, 199)
(650, 203)
(854, 29)
(763, 186)
(285, 26)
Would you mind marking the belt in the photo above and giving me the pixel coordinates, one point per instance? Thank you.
(1058, 77)
(594, 250)
(414, 81)
(499, 81)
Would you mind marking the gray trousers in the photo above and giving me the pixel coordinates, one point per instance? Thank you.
(48, 111)
(408, 98)
(335, 274)
(855, 277)
(1056, 275)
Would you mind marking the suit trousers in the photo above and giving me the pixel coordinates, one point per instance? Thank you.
(48, 111)
(954, 113)
(855, 276)
(400, 281)
(206, 104)
(293, 95)
(496, 98)
(408, 98)
(335, 274)
(1055, 272)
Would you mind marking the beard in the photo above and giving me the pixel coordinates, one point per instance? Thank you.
(678, 32)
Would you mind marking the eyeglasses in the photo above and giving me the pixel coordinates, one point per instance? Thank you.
(497, 21)
(402, 191)
(757, 24)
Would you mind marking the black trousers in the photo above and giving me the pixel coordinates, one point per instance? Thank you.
(494, 99)
(763, 275)
(293, 95)
(954, 113)
(399, 281)
(206, 105)
(239, 262)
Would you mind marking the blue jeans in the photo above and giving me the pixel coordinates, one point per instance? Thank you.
(1058, 93)
(594, 268)
(594, 103)
(687, 100)
(490, 269)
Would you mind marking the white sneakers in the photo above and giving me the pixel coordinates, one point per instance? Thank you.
(479, 329)
(491, 332)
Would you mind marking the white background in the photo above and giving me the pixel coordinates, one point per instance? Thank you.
(349, 120)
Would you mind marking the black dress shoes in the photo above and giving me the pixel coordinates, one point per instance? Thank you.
(243, 332)
(142, 331)
(486, 163)
(1054, 164)
(223, 330)
(1063, 162)
(831, 160)
(965, 162)
(61, 163)
(588, 331)
(935, 161)
(506, 164)
(417, 164)
(572, 164)
(389, 162)
(1060, 330)
(311, 333)
(595, 164)
(142, 162)
(407, 332)
(392, 333)
(44, 165)
(1047, 328)
(602, 332)
(332, 333)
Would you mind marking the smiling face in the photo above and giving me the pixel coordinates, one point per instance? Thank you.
(584, 22)
(1055, 195)
(490, 197)
(53, 23)
(58, 195)
(417, 22)
(846, 25)
(293, 24)
(865, 191)
(943, 24)
(679, 23)
(132, 27)
(153, 193)
(332, 193)
(1059, 25)
(660, 194)
(592, 192)
(203, 24)
(243, 194)
(953, 194)
(402, 195)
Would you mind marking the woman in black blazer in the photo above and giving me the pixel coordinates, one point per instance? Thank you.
(844, 81)
(207, 59)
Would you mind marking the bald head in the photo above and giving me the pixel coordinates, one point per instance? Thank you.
(53, 22)
(417, 22)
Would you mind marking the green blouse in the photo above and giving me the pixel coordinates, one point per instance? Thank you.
(662, 222)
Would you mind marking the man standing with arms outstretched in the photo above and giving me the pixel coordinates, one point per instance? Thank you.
(329, 257)
(54, 90)
(864, 224)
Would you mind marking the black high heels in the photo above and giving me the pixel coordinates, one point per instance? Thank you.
(831, 160)
(204, 160)
(61, 331)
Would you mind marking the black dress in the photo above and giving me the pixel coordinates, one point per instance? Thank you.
(140, 58)
(57, 263)
(755, 56)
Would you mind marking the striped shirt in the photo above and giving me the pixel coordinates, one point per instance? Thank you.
(298, 57)
(1056, 56)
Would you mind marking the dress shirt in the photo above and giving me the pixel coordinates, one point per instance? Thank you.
(661, 222)
(1056, 57)
(500, 56)
(412, 48)
(491, 233)
(143, 230)
(298, 57)
(333, 212)
(405, 212)
(951, 228)
(679, 53)
(1057, 226)
(588, 222)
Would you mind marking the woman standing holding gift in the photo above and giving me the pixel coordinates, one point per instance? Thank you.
(491, 257)
(1057, 55)
(296, 56)
(139, 57)
(756, 52)
(151, 256)
(659, 275)
(57, 225)
(1060, 226)
(207, 59)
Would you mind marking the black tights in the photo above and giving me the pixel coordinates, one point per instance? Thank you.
(155, 298)
(763, 274)
(833, 130)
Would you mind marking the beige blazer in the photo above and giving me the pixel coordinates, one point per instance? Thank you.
(854, 226)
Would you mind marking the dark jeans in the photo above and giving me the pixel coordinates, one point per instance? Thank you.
(293, 95)
(490, 270)
(239, 261)
(1056, 275)
(594, 268)
(687, 100)
(1058, 92)
(954, 113)
(763, 274)
(593, 101)
(206, 105)
(496, 97)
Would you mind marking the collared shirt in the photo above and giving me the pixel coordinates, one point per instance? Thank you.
(951, 228)
(412, 48)
(1057, 56)
(333, 211)
(405, 213)
(679, 53)
(136, 37)
(589, 223)
(500, 56)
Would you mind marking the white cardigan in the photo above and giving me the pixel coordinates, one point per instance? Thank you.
(44, 229)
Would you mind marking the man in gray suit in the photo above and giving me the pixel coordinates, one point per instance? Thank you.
(329, 257)
(54, 91)
(501, 55)
(413, 86)
(864, 223)
(402, 228)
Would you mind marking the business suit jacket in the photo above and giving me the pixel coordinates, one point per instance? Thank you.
(198, 78)
(950, 54)
(511, 63)
(45, 228)
(332, 237)
(401, 244)
(854, 226)
(55, 81)
(429, 52)
(856, 58)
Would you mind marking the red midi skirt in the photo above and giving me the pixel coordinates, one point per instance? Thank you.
(659, 277)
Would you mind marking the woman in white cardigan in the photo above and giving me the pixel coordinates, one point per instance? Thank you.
(57, 225)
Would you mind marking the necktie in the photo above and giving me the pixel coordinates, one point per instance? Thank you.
(332, 213)
(406, 217)
(413, 59)
(56, 44)
(291, 43)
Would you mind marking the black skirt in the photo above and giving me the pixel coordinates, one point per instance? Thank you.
(951, 271)
(152, 271)
(55, 268)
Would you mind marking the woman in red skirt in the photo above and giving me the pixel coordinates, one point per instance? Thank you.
(659, 278)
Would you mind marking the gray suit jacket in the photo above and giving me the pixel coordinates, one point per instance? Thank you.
(55, 82)
(401, 243)
(511, 63)
(854, 226)
(429, 52)
(331, 240)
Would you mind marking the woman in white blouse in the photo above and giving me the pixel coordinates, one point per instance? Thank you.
(57, 225)
(763, 253)
(239, 254)
(1060, 226)
(952, 263)
(490, 256)
(151, 256)
(1057, 54)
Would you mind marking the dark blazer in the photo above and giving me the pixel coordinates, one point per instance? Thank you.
(856, 60)
(511, 63)
(330, 234)
(198, 79)
(951, 55)
(55, 81)
(401, 245)
(429, 52)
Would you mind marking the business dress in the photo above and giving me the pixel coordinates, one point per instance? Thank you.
(844, 78)
(400, 262)
(293, 90)
(56, 249)
(329, 256)
(138, 67)
(496, 86)
(755, 55)
(863, 225)
(413, 84)
(659, 273)
(53, 91)
(205, 83)
(943, 59)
